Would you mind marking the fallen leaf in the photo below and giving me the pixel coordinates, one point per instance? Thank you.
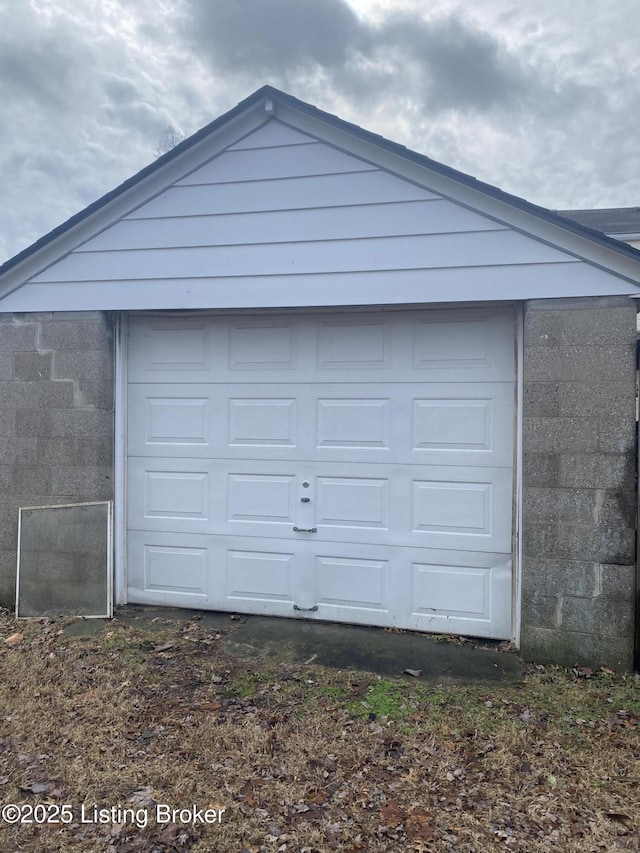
(14, 639)
(392, 814)
(416, 673)
(36, 787)
(168, 834)
(618, 817)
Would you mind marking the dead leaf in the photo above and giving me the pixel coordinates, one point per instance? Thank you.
(36, 787)
(392, 814)
(416, 673)
(168, 834)
(208, 706)
(14, 639)
(164, 647)
(618, 817)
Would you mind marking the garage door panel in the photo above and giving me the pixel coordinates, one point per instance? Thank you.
(460, 345)
(422, 423)
(262, 422)
(166, 568)
(172, 349)
(349, 583)
(441, 507)
(463, 424)
(171, 495)
(345, 343)
(467, 509)
(263, 499)
(442, 346)
(449, 595)
(260, 576)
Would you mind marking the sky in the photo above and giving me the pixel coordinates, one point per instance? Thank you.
(540, 98)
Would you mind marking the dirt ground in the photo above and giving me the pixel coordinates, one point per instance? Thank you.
(155, 739)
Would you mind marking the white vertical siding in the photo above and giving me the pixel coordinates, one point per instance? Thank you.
(280, 218)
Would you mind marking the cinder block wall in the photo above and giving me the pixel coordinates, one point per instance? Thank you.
(579, 498)
(56, 418)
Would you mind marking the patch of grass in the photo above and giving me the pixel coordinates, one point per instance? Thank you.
(384, 699)
(244, 685)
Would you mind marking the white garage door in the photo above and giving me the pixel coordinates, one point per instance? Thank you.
(345, 467)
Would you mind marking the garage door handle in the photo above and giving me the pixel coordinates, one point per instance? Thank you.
(305, 529)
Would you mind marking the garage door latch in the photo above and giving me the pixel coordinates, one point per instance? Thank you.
(305, 529)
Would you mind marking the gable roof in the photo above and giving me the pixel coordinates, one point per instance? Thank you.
(608, 254)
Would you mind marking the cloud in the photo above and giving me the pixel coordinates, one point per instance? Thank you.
(445, 62)
(275, 37)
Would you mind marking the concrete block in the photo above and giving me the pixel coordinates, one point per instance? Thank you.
(74, 316)
(598, 326)
(67, 450)
(575, 303)
(30, 480)
(83, 364)
(542, 610)
(555, 435)
(539, 539)
(6, 366)
(18, 450)
(32, 365)
(598, 543)
(7, 422)
(616, 435)
(36, 395)
(542, 400)
(553, 577)
(8, 523)
(617, 509)
(6, 478)
(594, 399)
(33, 422)
(541, 469)
(598, 616)
(31, 316)
(62, 335)
(83, 422)
(18, 337)
(93, 483)
(570, 648)
(8, 563)
(596, 471)
(8, 592)
(542, 329)
(92, 393)
(618, 583)
(580, 363)
(576, 506)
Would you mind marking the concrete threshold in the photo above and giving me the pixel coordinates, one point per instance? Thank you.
(301, 641)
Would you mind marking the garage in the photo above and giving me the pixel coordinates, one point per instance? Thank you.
(348, 466)
(324, 377)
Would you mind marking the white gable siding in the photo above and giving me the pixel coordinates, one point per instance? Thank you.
(280, 219)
